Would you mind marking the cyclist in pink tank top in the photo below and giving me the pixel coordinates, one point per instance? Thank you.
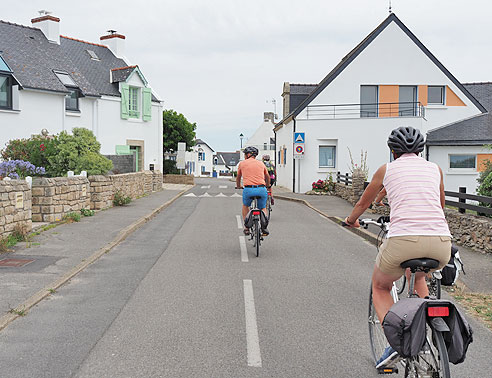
(418, 229)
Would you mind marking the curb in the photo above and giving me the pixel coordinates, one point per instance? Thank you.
(5, 320)
(358, 231)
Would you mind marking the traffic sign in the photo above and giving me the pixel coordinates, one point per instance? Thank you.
(299, 149)
(299, 137)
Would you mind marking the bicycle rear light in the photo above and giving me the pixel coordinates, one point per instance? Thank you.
(438, 311)
(256, 212)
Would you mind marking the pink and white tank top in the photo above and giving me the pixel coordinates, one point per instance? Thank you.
(412, 185)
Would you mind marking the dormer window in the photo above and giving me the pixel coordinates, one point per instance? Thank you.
(72, 98)
(5, 91)
(93, 55)
(5, 85)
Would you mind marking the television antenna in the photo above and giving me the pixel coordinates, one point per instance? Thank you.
(390, 7)
(274, 102)
(44, 12)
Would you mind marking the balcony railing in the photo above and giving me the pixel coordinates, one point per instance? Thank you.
(375, 110)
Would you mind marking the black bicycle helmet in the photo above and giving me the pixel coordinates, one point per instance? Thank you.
(251, 150)
(406, 139)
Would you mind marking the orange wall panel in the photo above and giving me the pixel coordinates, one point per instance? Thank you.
(388, 94)
(423, 94)
(481, 158)
(452, 99)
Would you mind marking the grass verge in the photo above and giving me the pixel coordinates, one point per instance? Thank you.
(478, 305)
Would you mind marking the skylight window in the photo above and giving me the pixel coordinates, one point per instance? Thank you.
(93, 55)
(66, 79)
(3, 65)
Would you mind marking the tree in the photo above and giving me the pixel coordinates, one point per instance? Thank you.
(176, 128)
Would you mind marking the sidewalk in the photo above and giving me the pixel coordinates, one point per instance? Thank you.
(478, 266)
(56, 254)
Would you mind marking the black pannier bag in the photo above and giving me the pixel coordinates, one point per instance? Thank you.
(450, 273)
(404, 327)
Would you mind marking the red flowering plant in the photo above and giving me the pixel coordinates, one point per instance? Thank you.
(324, 185)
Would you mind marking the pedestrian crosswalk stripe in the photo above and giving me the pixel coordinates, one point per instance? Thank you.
(220, 195)
(190, 195)
(222, 186)
(206, 187)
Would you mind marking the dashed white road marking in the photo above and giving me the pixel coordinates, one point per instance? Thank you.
(252, 339)
(239, 222)
(190, 195)
(222, 186)
(206, 187)
(244, 251)
(236, 195)
(220, 195)
(205, 195)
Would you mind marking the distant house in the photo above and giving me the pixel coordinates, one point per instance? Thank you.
(199, 161)
(460, 148)
(226, 162)
(388, 80)
(264, 138)
(53, 82)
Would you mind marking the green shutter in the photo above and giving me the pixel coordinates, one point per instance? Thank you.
(147, 104)
(125, 94)
(123, 150)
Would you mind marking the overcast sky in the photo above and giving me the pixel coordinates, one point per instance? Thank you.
(221, 62)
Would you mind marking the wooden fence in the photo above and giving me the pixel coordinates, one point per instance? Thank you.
(462, 205)
(344, 178)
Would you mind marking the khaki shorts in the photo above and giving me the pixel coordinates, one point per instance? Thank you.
(398, 249)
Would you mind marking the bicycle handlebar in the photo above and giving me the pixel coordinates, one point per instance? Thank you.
(381, 222)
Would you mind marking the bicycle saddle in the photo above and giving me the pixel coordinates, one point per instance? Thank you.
(420, 263)
(255, 197)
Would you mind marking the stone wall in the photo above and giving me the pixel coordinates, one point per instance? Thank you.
(148, 182)
(353, 192)
(129, 184)
(15, 207)
(53, 198)
(179, 179)
(101, 192)
(157, 179)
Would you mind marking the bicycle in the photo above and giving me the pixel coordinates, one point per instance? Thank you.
(256, 234)
(269, 205)
(432, 361)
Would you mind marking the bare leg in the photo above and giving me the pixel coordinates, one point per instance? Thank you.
(245, 211)
(381, 292)
(420, 285)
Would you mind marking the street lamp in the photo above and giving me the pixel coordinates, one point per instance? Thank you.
(241, 136)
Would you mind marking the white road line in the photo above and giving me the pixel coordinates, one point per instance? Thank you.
(206, 187)
(252, 340)
(221, 195)
(244, 251)
(236, 195)
(239, 222)
(190, 195)
(205, 195)
(222, 186)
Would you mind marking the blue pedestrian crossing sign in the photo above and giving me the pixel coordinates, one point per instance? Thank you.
(299, 137)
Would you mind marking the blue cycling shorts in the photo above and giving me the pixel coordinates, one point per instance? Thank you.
(252, 192)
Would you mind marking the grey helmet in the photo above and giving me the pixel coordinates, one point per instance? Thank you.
(406, 139)
(251, 150)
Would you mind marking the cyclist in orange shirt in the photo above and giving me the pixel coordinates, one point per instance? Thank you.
(256, 179)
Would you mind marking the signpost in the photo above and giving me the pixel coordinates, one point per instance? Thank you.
(299, 143)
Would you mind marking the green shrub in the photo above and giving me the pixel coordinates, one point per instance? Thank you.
(72, 217)
(87, 212)
(170, 167)
(121, 200)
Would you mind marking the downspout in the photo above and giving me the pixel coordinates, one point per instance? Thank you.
(293, 161)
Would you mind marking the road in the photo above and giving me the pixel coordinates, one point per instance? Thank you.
(178, 298)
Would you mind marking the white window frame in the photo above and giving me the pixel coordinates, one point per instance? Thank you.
(462, 169)
(443, 100)
(334, 156)
(133, 103)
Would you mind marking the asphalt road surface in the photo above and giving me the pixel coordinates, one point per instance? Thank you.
(182, 298)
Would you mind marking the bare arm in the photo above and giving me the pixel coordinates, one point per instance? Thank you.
(368, 196)
(238, 177)
(380, 197)
(441, 190)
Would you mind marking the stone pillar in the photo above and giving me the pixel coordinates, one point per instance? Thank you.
(101, 192)
(15, 207)
(358, 180)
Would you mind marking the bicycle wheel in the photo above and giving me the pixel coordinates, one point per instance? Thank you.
(400, 285)
(376, 334)
(257, 232)
(269, 206)
(433, 360)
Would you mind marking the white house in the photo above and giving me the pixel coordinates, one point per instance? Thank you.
(53, 82)
(226, 162)
(199, 161)
(264, 138)
(389, 80)
(460, 148)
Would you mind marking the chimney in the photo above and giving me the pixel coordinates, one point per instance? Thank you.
(286, 96)
(268, 116)
(115, 42)
(49, 25)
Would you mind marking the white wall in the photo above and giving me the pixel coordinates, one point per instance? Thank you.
(284, 138)
(192, 157)
(261, 136)
(454, 178)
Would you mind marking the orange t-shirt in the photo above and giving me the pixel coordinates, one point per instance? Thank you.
(252, 171)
